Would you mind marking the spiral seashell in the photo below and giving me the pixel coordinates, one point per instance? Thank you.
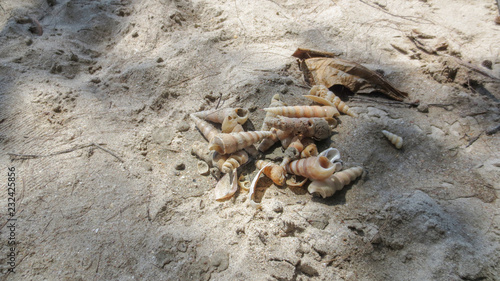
(218, 160)
(275, 102)
(203, 168)
(234, 161)
(249, 149)
(304, 111)
(317, 128)
(269, 141)
(396, 140)
(310, 150)
(336, 182)
(232, 142)
(296, 143)
(205, 128)
(314, 168)
(219, 115)
(321, 95)
(273, 171)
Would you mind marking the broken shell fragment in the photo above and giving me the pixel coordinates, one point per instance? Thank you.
(310, 150)
(336, 182)
(234, 161)
(314, 168)
(232, 142)
(205, 128)
(396, 140)
(203, 168)
(273, 171)
(304, 111)
(226, 187)
(201, 151)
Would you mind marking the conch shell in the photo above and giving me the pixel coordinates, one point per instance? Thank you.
(334, 183)
(205, 128)
(234, 161)
(314, 168)
(396, 140)
(232, 142)
(228, 117)
(273, 171)
(322, 95)
(304, 111)
(317, 128)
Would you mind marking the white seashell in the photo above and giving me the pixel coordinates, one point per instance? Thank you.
(205, 128)
(203, 168)
(336, 182)
(251, 192)
(396, 140)
(321, 95)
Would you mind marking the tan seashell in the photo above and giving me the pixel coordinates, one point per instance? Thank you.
(304, 111)
(310, 150)
(296, 143)
(203, 168)
(234, 161)
(273, 171)
(232, 142)
(250, 149)
(314, 168)
(226, 187)
(270, 141)
(218, 160)
(396, 140)
(317, 128)
(201, 151)
(243, 183)
(322, 95)
(335, 183)
(205, 128)
(219, 115)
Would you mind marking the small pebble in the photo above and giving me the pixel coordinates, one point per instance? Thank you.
(487, 63)
(135, 34)
(180, 166)
(423, 107)
(182, 127)
(159, 60)
(278, 207)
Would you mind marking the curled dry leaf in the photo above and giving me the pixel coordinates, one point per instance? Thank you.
(321, 69)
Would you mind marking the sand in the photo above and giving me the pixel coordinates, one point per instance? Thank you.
(102, 99)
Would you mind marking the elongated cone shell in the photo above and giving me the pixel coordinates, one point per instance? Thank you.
(218, 160)
(335, 183)
(234, 161)
(273, 171)
(304, 111)
(269, 141)
(275, 102)
(315, 127)
(205, 128)
(232, 142)
(218, 115)
(314, 168)
(396, 140)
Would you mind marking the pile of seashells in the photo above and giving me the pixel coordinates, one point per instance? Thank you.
(296, 127)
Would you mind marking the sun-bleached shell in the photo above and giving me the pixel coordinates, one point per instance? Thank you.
(396, 140)
(226, 187)
(314, 168)
(205, 128)
(273, 171)
(203, 168)
(232, 142)
(304, 111)
(234, 161)
(218, 115)
(315, 127)
(336, 182)
(271, 140)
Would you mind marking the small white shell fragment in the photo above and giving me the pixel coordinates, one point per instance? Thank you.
(396, 140)
(203, 168)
